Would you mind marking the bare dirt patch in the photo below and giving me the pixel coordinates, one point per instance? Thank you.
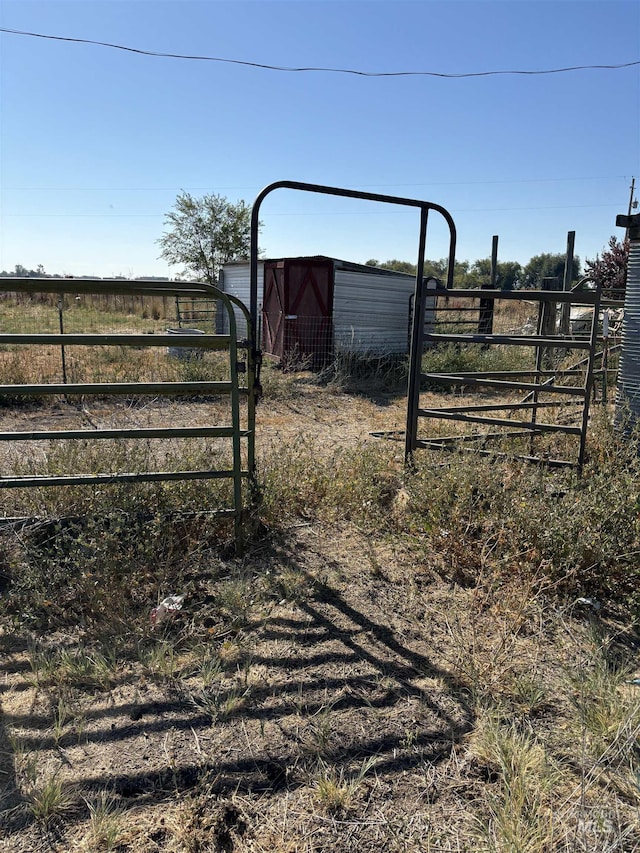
(321, 678)
(342, 716)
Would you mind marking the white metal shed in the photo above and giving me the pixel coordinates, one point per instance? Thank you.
(317, 306)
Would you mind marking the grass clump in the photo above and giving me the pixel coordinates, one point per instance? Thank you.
(160, 660)
(351, 484)
(105, 823)
(219, 704)
(520, 805)
(336, 790)
(72, 667)
(453, 358)
(49, 800)
(362, 373)
(607, 706)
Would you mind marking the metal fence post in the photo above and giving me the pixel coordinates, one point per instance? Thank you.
(565, 311)
(415, 358)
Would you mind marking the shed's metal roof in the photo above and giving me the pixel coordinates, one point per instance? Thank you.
(338, 263)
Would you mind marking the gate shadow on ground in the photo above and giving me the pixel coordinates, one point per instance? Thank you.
(378, 696)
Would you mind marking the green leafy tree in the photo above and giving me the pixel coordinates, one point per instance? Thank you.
(546, 265)
(480, 273)
(465, 274)
(398, 266)
(610, 268)
(204, 233)
(438, 269)
(507, 275)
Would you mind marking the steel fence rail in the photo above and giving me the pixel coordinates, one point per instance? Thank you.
(539, 381)
(242, 438)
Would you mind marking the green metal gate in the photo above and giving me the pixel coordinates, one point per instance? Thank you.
(238, 387)
(546, 387)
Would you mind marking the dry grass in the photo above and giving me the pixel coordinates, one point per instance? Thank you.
(442, 660)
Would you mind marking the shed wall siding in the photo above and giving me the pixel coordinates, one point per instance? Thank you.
(371, 312)
(235, 279)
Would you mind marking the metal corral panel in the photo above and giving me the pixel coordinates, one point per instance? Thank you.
(235, 279)
(371, 311)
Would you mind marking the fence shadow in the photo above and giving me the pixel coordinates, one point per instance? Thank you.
(336, 685)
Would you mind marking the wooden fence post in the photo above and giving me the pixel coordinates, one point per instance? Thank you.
(565, 312)
(485, 322)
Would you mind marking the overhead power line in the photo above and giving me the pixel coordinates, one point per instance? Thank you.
(321, 69)
(257, 187)
(298, 213)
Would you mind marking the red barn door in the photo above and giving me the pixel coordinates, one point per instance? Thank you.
(273, 308)
(298, 310)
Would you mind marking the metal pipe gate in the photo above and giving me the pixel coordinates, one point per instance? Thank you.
(543, 386)
(423, 206)
(242, 438)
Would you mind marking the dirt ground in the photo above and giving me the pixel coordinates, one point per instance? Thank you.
(321, 676)
(350, 683)
(341, 417)
(356, 667)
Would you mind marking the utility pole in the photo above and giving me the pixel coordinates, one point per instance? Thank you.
(632, 205)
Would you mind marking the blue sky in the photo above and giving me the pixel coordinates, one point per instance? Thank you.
(95, 143)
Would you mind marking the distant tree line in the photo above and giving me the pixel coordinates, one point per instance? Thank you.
(23, 272)
(204, 233)
(608, 269)
(510, 275)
